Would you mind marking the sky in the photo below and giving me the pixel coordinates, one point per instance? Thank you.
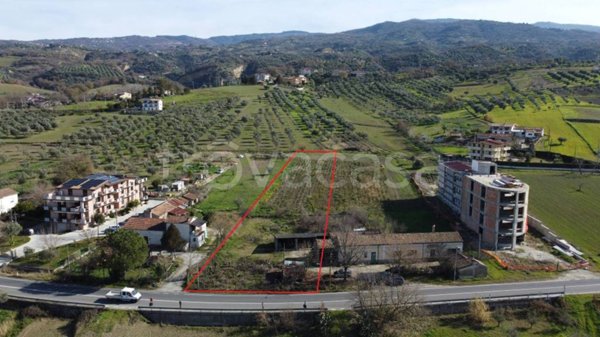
(53, 19)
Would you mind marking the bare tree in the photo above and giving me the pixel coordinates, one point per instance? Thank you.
(221, 223)
(348, 251)
(385, 311)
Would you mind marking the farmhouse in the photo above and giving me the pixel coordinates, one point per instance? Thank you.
(191, 229)
(124, 96)
(152, 104)
(178, 186)
(9, 198)
(295, 241)
(262, 78)
(385, 248)
(73, 204)
(529, 133)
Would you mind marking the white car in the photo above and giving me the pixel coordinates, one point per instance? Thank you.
(125, 295)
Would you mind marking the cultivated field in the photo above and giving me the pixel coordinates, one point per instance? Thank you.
(567, 203)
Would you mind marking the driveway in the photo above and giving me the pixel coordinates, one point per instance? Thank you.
(174, 282)
(40, 242)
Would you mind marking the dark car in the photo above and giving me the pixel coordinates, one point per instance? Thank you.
(340, 273)
(392, 279)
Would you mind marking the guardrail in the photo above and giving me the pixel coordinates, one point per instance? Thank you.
(55, 302)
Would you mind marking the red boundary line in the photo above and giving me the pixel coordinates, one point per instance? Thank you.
(245, 215)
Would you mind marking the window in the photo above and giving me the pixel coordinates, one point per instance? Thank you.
(472, 185)
(470, 211)
(482, 205)
(483, 191)
(471, 198)
(481, 219)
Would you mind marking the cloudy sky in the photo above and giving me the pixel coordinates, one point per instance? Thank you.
(37, 19)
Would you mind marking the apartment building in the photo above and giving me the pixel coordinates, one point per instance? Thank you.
(491, 204)
(73, 204)
(450, 182)
(495, 206)
(489, 149)
(152, 104)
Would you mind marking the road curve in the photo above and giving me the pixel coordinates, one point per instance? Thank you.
(92, 295)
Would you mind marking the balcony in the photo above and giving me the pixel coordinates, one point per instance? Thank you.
(61, 197)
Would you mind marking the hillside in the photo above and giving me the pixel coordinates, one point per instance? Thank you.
(463, 48)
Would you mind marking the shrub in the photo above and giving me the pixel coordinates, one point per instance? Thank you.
(479, 312)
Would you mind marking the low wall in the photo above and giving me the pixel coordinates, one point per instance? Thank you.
(195, 317)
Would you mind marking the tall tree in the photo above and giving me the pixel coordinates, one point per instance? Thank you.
(10, 230)
(123, 250)
(73, 166)
(172, 240)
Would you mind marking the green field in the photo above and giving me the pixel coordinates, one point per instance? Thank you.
(17, 89)
(471, 89)
(85, 106)
(7, 61)
(551, 119)
(379, 131)
(556, 200)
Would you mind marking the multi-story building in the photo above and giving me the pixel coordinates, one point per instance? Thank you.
(489, 149)
(491, 204)
(495, 206)
(450, 178)
(73, 204)
(152, 104)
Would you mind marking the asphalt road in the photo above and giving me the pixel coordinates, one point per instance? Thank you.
(91, 295)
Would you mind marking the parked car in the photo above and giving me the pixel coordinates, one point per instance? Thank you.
(392, 279)
(112, 229)
(340, 273)
(126, 294)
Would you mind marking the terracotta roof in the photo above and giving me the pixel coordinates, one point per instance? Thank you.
(458, 166)
(191, 196)
(177, 219)
(148, 224)
(178, 211)
(357, 239)
(163, 208)
(178, 202)
(5, 192)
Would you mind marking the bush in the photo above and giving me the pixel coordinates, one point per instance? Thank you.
(479, 312)
(33, 311)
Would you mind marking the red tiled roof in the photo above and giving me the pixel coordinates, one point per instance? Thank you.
(163, 208)
(178, 211)
(178, 202)
(191, 196)
(177, 219)
(148, 224)
(457, 166)
(5, 192)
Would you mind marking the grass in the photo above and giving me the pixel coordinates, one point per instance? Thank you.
(551, 119)
(456, 121)
(7, 61)
(379, 131)
(242, 183)
(449, 149)
(590, 132)
(472, 89)
(17, 89)
(85, 106)
(572, 214)
(5, 245)
(43, 260)
(66, 125)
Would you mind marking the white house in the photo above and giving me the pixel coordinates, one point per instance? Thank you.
(178, 185)
(124, 96)
(9, 198)
(191, 229)
(152, 104)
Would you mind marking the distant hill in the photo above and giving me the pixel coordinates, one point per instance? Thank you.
(234, 39)
(561, 26)
(161, 42)
(461, 48)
